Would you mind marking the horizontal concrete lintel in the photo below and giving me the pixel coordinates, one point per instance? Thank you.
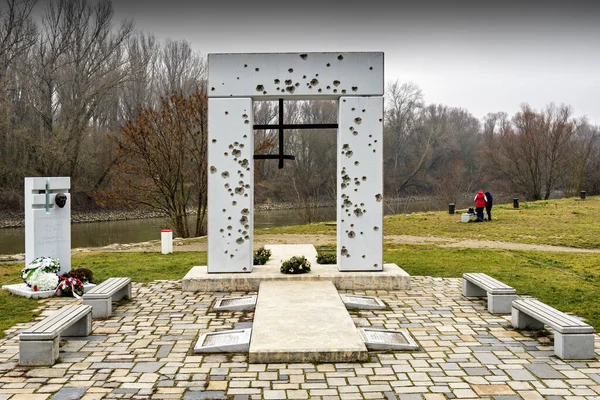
(298, 75)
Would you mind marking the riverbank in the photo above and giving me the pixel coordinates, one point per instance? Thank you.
(12, 219)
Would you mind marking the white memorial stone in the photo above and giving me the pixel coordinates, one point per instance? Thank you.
(362, 302)
(233, 341)
(383, 339)
(244, 303)
(47, 225)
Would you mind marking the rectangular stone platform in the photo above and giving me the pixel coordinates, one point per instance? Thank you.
(391, 278)
(303, 321)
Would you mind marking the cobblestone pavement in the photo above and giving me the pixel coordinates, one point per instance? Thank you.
(144, 352)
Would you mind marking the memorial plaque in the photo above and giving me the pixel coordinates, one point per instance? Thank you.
(233, 341)
(383, 339)
(362, 302)
(244, 303)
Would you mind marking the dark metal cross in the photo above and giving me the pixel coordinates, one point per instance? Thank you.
(281, 126)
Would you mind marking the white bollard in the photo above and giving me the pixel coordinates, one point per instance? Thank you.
(166, 236)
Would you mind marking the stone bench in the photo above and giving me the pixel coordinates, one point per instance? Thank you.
(39, 344)
(102, 296)
(573, 339)
(499, 295)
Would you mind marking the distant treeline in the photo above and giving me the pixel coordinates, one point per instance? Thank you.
(81, 96)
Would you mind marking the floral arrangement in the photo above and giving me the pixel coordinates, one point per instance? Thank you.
(295, 265)
(41, 273)
(69, 286)
(326, 258)
(261, 256)
(83, 274)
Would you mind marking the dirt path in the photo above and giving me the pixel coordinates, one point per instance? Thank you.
(321, 240)
(325, 240)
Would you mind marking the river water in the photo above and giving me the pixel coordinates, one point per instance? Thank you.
(93, 234)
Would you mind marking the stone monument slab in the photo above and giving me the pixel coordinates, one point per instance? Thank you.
(232, 341)
(384, 339)
(244, 303)
(48, 220)
(362, 302)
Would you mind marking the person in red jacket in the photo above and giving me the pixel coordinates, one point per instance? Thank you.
(480, 201)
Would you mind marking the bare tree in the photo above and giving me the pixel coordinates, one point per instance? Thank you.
(162, 161)
(531, 152)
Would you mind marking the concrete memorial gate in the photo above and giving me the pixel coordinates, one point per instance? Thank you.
(235, 81)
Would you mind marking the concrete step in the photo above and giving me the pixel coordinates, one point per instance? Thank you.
(303, 321)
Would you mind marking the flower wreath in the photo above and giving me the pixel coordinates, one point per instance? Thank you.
(41, 273)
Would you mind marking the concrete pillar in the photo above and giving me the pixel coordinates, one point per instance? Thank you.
(360, 184)
(230, 184)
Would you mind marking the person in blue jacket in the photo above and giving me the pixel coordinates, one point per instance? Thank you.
(488, 205)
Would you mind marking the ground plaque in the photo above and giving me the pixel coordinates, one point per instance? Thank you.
(362, 302)
(244, 303)
(233, 341)
(383, 339)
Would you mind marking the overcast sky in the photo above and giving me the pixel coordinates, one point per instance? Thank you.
(482, 56)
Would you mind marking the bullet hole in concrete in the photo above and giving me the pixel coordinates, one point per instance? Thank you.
(260, 88)
(378, 197)
(228, 218)
(303, 76)
(282, 90)
(244, 163)
(290, 89)
(239, 240)
(358, 120)
(231, 256)
(239, 190)
(356, 163)
(227, 186)
(246, 195)
(245, 65)
(256, 69)
(375, 228)
(354, 88)
(353, 109)
(351, 234)
(212, 89)
(288, 82)
(314, 82)
(320, 90)
(238, 78)
(225, 174)
(375, 265)
(370, 135)
(234, 203)
(344, 251)
(371, 68)
(336, 83)
(213, 169)
(380, 120)
(344, 100)
(355, 133)
(224, 210)
(278, 88)
(230, 146)
(351, 225)
(369, 144)
(345, 146)
(363, 256)
(329, 65)
(364, 178)
(374, 151)
(349, 153)
(364, 110)
(265, 92)
(343, 91)
(304, 56)
(246, 122)
(334, 90)
(226, 154)
(214, 140)
(328, 87)
(291, 70)
(358, 212)
(297, 84)
(375, 141)
(340, 57)
(236, 153)
(221, 230)
(276, 81)
(229, 227)
(226, 112)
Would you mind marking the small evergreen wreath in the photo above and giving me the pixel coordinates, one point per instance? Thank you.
(295, 265)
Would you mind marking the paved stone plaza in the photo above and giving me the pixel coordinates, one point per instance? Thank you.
(144, 351)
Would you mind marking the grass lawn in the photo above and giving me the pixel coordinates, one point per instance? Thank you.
(567, 222)
(567, 281)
